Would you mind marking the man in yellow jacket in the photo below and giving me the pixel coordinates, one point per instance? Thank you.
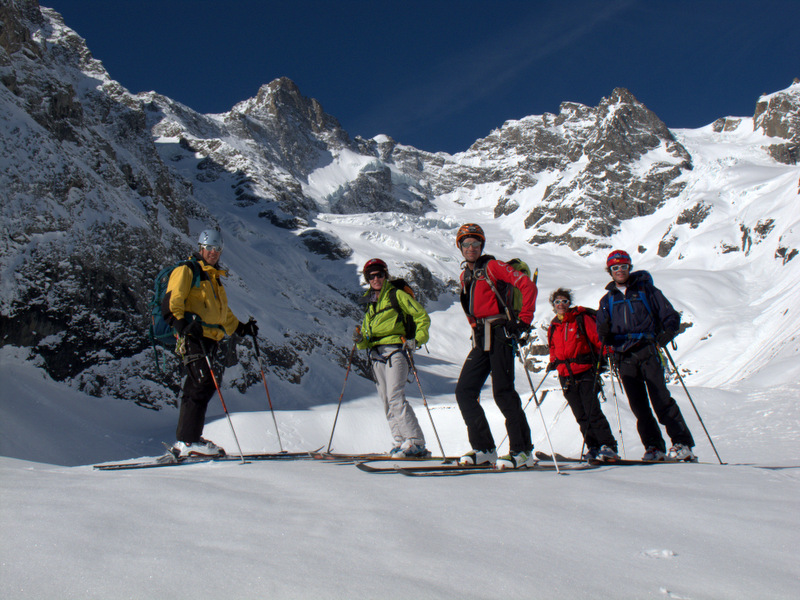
(384, 333)
(196, 305)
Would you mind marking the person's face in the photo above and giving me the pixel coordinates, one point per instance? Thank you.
(376, 279)
(470, 249)
(620, 273)
(560, 305)
(210, 254)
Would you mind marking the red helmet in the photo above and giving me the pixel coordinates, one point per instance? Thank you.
(470, 230)
(375, 265)
(618, 257)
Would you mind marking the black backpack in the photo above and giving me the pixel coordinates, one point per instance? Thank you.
(407, 320)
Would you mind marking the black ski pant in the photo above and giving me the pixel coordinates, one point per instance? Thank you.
(499, 362)
(581, 393)
(642, 377)
(198, 389)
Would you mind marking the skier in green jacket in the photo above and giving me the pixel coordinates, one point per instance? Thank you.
(394, 324)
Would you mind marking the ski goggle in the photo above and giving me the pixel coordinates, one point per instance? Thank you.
(560, 301)
(467, 245)
(211, 247)
(371, 276)
(622, 267)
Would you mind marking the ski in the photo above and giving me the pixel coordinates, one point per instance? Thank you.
(366, 457)
(600, 463)
(455, 469)
(435, 464)
(460, 470)
(169, 460)
(559, 457)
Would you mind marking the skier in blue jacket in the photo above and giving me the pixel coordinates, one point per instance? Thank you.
(634, 317)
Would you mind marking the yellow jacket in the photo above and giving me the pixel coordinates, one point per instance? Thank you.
(208, 300)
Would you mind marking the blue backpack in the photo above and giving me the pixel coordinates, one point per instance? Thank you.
(162, 333)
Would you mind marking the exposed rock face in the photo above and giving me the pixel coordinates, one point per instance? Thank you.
(88, 207)
(271, 144)
(590, 168)
(778, 115)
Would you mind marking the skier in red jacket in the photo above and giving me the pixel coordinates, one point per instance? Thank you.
(492, 351)
(575, 352)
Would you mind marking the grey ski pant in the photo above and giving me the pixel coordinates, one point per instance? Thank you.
(390, 368)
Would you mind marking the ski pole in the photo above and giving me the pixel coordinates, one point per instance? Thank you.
(538, 406)
(524, 408)
(616, 404)
(338, 406)
(269, 400)
(544, 393)
(425, 401)
(688, 395)
(222, 400)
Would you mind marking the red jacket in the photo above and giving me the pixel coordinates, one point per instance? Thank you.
(478, 299)
(570, 342)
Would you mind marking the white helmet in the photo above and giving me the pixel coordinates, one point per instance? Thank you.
(210, 237)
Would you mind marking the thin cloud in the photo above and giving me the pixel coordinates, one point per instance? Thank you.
(462, 80)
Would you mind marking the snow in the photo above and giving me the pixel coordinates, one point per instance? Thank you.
(308, 529)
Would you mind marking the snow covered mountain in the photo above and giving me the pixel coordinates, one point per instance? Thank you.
(102, 188)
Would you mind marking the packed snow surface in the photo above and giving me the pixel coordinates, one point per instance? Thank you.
(310, 529)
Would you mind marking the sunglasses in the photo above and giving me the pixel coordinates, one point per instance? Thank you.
(211, 248)
(623, 267)
(560, 301)
(371, 276)
(467, 245)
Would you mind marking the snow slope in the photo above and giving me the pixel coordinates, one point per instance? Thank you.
(310, 530)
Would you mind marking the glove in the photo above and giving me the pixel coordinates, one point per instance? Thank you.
(605, 335)
(518, 329)
(410, 345)
(551, 366)
(665, 337)
(189, 328)
(249, 328)
(358, 337)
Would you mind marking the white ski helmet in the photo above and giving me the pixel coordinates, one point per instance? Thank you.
(210, 237)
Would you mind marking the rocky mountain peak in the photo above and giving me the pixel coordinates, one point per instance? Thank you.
(778, 115)
(281, 101)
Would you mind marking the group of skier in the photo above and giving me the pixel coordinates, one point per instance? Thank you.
(632, 320)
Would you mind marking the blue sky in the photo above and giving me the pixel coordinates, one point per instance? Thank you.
(440, 74)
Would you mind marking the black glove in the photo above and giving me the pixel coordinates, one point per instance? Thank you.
(518, 329)
(358, 337)
(189, 328)
(551, 366)
(249, 328)
(605, 335)
(665, 337)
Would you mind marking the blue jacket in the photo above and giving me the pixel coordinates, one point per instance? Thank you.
(637, 317)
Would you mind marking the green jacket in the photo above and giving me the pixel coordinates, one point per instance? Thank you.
(381, 324)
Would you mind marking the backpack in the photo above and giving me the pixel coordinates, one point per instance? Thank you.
(407, 320)
(509, 296)
(516, 296)
(162, 333)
